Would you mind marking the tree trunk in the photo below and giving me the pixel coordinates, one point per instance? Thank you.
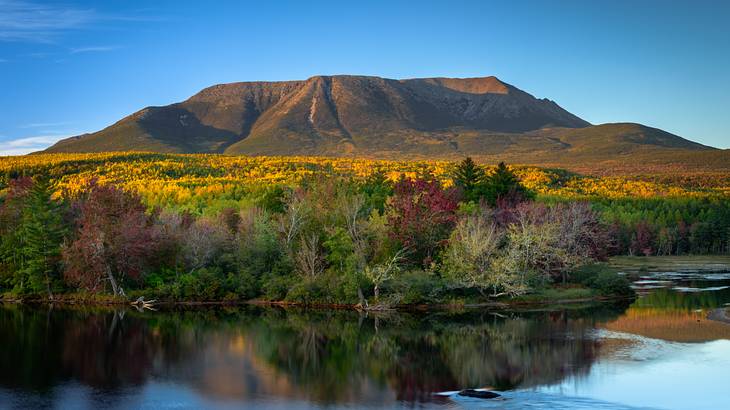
(363, 301)
(48, 288)
(115, 287)
(376, 291)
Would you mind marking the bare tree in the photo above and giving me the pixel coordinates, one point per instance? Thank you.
(350, 207)
(293, 219)
(381, 273)
(309, 260)
(203, 242)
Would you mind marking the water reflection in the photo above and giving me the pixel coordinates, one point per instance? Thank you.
(253, 355)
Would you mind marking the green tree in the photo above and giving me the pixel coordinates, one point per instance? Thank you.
(43, 231)
(470, 178)
(31, 249)
(377, 189)
(11, 239)
(504, 185)
(340, 251)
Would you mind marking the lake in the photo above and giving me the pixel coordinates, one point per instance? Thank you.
(658, 351)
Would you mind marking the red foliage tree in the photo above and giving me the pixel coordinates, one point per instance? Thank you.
(643, 240)
(421, 215)
(115, 239)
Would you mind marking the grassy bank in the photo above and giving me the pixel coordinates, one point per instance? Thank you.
(596, 282)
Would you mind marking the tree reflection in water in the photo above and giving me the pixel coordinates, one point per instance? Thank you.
(249, 353)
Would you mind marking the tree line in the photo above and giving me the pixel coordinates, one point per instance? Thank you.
(330, 239)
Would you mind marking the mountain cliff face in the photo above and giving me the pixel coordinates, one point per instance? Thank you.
(357, 115)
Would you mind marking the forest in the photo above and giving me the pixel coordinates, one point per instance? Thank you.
(336, 231)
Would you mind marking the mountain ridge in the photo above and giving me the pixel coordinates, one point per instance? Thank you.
(371, 116)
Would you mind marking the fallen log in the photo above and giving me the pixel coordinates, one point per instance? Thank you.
(141, 303)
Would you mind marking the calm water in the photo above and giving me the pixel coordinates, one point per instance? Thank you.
(660, 352)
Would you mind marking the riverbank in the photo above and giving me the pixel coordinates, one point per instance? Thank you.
(591, 284)
(551, 296)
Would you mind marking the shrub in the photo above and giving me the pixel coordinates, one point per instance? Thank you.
(416, 287)
(310, 290)
(328, 288)
(612, 284)
(603, 279)
(241, 286)
(275, 287)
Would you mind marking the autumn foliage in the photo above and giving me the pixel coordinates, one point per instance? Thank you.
(421, 215)
(308, 229)
(114, 240)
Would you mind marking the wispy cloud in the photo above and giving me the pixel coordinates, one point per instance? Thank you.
(2, 60)
(92, 49)
(39, 55)
(22, 146)
(35, 22)
(40, 23)
(45, 124)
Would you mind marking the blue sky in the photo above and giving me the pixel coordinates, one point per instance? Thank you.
(77, 66)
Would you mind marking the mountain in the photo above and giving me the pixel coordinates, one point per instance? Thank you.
(372, 116)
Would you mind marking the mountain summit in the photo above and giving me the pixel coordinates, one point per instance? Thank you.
(359, 115)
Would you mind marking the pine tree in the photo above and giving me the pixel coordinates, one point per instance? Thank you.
(503, 185)
(30, 244)
(469, 177)
(42, 232)
(11, 238)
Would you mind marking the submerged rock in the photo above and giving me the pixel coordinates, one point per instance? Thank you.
(479, 394)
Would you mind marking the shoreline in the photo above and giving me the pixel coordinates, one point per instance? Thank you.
(92, 302)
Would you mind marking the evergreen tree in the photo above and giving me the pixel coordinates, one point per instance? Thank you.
(11, 238)
(377, 189)
(470, 178)
(31, 239)
(42, 231)
(503, 185)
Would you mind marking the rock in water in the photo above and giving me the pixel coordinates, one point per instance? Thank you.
(479, 394)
